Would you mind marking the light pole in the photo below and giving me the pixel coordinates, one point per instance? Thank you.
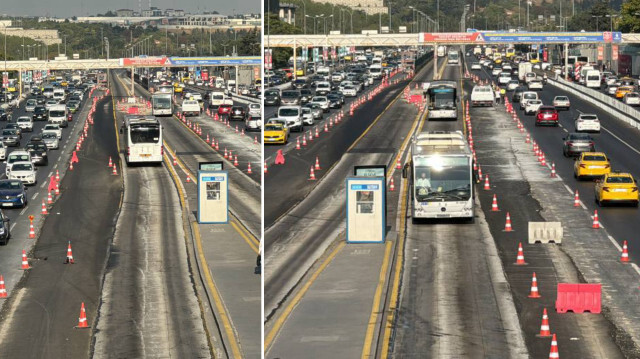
(325, 23)
(5, 47)
(304, 18)
(389, 6)
(597, 21)
(610, 16)
(438, 15)
(106, 44)
(65, 45)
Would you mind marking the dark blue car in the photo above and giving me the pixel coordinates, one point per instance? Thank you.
(12, 193)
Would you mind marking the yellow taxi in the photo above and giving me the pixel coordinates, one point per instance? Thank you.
(275, 133)
(617, 187)
(623, 90)
(591, 164)
(177, 87)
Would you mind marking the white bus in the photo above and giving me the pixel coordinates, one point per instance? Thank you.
(441, 50)
(442, 100)
(143, 136)
(453, 57)
(162, 104)
(441, 176)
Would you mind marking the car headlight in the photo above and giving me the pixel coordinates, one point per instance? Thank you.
(21, 195)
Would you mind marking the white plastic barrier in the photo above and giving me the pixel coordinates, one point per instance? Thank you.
(622, 111)
(545, 232)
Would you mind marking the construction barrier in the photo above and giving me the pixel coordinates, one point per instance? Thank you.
(545, 232)
(579, 298)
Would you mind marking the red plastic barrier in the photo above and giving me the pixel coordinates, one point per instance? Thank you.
(415, 99)
(579, 298)
(133, 111)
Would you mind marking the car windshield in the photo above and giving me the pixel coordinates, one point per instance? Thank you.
(9, 132)
(273, 128)
(52, 127)
(589, 117)
(49, 135)
(319, 99)
(597, 158)
(286, 112)
(23, 119)
(579, 136)
(619, 179)
(562, 98)
(4, 185)
(22, 167)
(530, 96)
(271, 93)
(56, 113)
(290, 94)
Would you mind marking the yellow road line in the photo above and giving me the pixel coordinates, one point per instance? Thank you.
(253, 245)
(294, 302)
(396, 280)
(217, 298)
(366, 350)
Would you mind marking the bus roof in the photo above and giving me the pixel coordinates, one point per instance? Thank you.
(140, 120)
(440, 142)
(439, 84)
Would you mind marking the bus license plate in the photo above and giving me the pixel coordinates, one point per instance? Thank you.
(145, 155)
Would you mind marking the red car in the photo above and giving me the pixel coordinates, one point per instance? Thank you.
(547, 115)
(224, 110)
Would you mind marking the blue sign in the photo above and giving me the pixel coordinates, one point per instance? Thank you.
(212, 179)
(216, 61)
(547, 37)
(365, 187)
(617, 37)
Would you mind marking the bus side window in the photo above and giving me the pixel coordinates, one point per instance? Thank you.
(405, 170)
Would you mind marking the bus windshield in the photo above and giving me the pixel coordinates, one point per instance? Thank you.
(442, 178)
(443, 98)
(144, 133)
(162, 103)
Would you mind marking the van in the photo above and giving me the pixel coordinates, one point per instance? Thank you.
(293, 116)
(324, 72)
(527, 96)
(58, 115)
(592, 79)
(47, 92)
(375, 71)
(59, 94)
(323, 88)
(583, 73)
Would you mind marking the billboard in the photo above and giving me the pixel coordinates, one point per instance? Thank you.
(452, 37)
(268, 59)
(145, 61)
(600, 53)
(551, 37)
(216, 61)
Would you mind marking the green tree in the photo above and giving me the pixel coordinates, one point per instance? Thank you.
(630, 19)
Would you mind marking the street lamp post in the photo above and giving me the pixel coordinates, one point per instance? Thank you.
(610, 16)
(304, 18)
(597, 21)
(325, 23)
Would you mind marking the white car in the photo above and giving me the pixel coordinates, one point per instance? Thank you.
(53, 128)
(307, 116)
(50, 139)
(504, 78)
(611, 80)
(532, 107)
(535, 85)
(23, 171)
(496, 71)
(255, 109)
(632, 99)
(25, 123)
(587, 122)
(476, 66)
(561, 102)
(349, 91)
(527, 96)
(50, 103)
(321, 101)
(3, 151)
(31, 105)
(512, 85)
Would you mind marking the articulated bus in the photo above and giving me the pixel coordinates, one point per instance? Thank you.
(442, 100)
(143, 136)
(441, 176)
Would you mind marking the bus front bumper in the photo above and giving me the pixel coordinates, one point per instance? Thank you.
(443, 210)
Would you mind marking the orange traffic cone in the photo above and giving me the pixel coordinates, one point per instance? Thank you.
(265, 167)
(312, 175)
(3, 290)
(249, 169)
(553, 354)
(520, 259)
(235, 161)
(487, 186)
(175, 161)
(298, 143)
(25, 261)
(304, 139)
(317, 167)
(115, 170)
(507, 225)
(82, 321)
(32, 231)
(596, 222)
(494, 205)
(398, 164)
(49, 197)
(576, 200)
(534, 287)
(57, 192)
(110, 162)
(544, 328)
(44, 208)
(625, 253)
(188, 179)
(392, 186)
(69, 255)
(553, 170)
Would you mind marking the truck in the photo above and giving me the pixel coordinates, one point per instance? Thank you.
(190, 108)
(523, 68)
(482, 95)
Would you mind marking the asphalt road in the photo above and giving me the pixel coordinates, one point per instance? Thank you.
(149, 306)
(39, 318)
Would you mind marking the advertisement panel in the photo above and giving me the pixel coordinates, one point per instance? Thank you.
(145, 61)
(215, 61)
(614, 52)
(600, 53)
(268, 60)
(451, 37)
(551, 37)
(5, 79)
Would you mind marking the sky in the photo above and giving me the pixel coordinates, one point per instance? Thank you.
(68, 8)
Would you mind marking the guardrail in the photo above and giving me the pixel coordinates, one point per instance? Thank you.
(621, 110)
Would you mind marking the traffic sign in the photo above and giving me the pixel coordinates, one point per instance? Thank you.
(451, 37)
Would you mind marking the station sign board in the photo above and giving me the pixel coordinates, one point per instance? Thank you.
(451, 37)
(216, 61)
(491, 37)
(145, 61)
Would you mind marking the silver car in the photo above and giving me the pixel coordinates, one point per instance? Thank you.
(31, 105)
(50, 139)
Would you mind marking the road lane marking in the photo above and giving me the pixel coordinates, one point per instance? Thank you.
(13, 225)
(35, 195)
(375, 309)
(615, 243)
(23, 210)
(294, 302)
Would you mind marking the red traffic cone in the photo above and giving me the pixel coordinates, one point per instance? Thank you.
(534, 287)
(25, 261)
(544, 328)
(57, 192)
(317, 166)
(576, 200)
(255, 140)
(520, 258)
(115, 170)
(226, 155)
(596, 222)
(82, 321)
(265, 167)
(69, 255)
(188, 179)
(392, 186)
(398, 164)
(249, 168)
(235, 161)
(494, 205)
(553, 353)
(304, 139)
(110, 162)
(32, 231)
(312, 175)
(625, 253)
(487, 186)
(57, 176)
(44, 208)
(298, 143)
(317, 133)
(71, 166)
(49, 197)
(479, 173)
(175, 161)
(3, 290)
(507, 225)
(553, 170)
